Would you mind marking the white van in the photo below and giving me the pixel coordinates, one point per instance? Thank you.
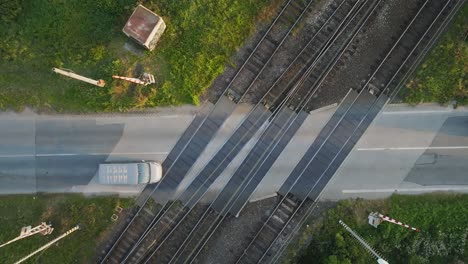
(130, 173)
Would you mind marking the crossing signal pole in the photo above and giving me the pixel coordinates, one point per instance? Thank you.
(48, 244)
(27, 231)
(364, 244)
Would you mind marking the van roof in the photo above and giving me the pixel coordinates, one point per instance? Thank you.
(124, 173)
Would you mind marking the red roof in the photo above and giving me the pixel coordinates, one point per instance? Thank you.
(140, 24)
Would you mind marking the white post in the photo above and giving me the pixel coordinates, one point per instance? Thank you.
(49, 244)
(380, 260)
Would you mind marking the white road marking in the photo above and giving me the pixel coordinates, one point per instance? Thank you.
(416, 112)
(324, 108)
(263, 197)
(16, 156)
(174, 116)
(81, 154)
(432, 189)
(413, 148)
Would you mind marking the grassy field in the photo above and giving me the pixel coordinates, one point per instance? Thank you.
(85, 36)
(443, 219)
(63, 212)
(442, 76)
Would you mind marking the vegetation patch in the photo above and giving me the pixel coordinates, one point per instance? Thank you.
(85, 36)
(63, 212)
(443, 219)
(441, 77)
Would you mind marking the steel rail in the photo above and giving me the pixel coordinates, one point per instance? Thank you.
(158, 217)
(433, 41)
(281, 43)
(387, 87)
(210, 112)
(258, 104)
(273, 114)
(417, 61)
(268, 154)
(303, 103)
(327, 138)
(315, 202)
(215, 228)
(304, 218)
(290, 92)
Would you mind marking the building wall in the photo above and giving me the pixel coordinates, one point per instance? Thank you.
(157, 33)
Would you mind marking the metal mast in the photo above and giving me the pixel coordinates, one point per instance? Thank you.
(27, 231)
(369, 249)
(48, 244)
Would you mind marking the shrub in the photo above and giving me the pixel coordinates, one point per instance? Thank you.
(9, 10)
(442, 76)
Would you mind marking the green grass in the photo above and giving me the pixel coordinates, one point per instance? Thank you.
(63, 212)
(443, 219)
(442, 76)
(85, 36)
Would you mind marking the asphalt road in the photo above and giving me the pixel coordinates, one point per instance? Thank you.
(62, 153)
(59, 153)
(280, 169)
(407, 150)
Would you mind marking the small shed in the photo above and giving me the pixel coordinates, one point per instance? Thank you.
(145, 27)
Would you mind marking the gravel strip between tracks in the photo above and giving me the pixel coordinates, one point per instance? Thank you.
(289, 50)
(371, 44)
(227, 244)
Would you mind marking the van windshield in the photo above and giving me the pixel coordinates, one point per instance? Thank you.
(143, 173)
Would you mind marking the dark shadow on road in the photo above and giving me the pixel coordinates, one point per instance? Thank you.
(69, 152)
(456, 126)
(444, 166)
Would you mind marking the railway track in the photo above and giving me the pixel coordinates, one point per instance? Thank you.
(214, 168)
(372, 96)
(408, 71)
(199, 133)
(282, 26)
(155, 211)
(250, 173)
(258, 160)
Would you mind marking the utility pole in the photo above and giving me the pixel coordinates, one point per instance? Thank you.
(373, 252)
(27, 231)
(49, 244)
